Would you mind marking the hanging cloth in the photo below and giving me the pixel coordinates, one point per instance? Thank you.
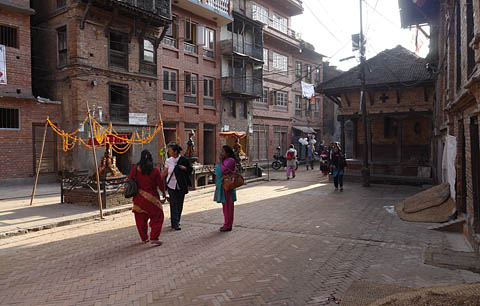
(308, 90)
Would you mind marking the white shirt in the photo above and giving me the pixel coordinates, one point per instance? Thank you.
(170, 165)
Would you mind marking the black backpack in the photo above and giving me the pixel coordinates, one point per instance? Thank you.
(130, 187)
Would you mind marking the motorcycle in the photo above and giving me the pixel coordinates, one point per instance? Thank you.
(280, 160)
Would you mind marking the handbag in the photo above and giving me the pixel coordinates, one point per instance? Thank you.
(130, 187)
(232, 180)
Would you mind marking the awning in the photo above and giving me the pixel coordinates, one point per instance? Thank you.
(305, 129)
(238, 135)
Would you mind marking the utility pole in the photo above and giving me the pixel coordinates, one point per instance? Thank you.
(365, 167)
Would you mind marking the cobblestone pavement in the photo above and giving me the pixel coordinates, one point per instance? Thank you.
(294, 242)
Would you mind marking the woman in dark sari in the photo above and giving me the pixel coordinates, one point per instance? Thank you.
(146, 204)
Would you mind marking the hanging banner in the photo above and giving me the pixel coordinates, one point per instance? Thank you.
(3, 66)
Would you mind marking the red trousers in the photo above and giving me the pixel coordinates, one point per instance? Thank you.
(156, 222)
(228, 211)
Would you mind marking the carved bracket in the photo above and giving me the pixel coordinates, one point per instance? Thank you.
(162, 35)
(109, 22)
(85, 14)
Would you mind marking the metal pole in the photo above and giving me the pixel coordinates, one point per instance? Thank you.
(39, 162)
(99, 195)
(365, 168)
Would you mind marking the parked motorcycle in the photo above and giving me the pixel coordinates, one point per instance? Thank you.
(280, 160)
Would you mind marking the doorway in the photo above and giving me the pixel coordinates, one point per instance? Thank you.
(124, 161)
(475, 164)
(209, 154)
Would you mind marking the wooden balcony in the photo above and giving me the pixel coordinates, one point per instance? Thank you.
(158, 12)
(242, 48)
(240, 87)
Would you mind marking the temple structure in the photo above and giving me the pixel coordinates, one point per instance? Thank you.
(400, 101)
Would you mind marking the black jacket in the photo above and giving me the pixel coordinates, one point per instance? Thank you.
(338, 160)
(183, 177)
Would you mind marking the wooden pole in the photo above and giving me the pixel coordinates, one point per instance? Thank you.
(99, 196)
(163, 139)
(39, 162)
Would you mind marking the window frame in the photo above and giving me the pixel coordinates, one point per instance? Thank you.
(124, 53)
(298, 69)
(258, 13)
(308, 73)
(19, 119)
(153, 51)
(209, 33)
(192, 38)
(298, 102)
(6, 41)
(123, 87)
(283, 102)
(316, 73)
(170, 80)
(276, 60)
(265, 62)
(280, 23)
(62, 53)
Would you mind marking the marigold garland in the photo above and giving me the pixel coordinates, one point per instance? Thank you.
(101, 135)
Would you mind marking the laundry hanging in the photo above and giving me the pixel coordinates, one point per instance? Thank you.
(308, 90)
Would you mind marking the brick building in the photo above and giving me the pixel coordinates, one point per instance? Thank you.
(455, 57)
(22, 117)
(190, 90)
(242, 72)
(400, 102)
(287, 60)
(103, 53)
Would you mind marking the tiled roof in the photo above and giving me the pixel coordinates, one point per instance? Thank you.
(392, 66)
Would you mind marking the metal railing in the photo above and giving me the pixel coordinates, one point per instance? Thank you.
(190, 48)
(285, 30)
(169, 41)
(247, 48)
(241, 85)
(221, 5)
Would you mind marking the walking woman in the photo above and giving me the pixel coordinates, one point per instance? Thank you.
(226, 166)
(178, 171)
(339, 163)
(291, 157)
(146, 204)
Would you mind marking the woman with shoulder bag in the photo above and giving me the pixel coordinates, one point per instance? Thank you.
(177, 171)
(146, 203)
(226, 166)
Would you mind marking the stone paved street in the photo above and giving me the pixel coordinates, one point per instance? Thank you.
(294, 243)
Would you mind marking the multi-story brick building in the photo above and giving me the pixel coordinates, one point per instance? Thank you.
(242, 71)
(190, 91)
(22, 117)
(104, 54)
(455, 59)
(287, 61)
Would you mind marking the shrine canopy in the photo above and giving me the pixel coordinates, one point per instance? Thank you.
(238, 135)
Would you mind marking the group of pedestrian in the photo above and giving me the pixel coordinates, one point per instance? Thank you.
(175, 179)
(332, 161)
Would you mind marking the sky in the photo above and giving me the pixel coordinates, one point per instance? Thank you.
(329, 24)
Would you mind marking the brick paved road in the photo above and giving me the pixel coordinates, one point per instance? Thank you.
(295, 243)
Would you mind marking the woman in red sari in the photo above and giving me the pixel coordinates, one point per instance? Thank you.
(146, 204)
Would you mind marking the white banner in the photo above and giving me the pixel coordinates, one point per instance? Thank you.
(3, 66)
(137, 118)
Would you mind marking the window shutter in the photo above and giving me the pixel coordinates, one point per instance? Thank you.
(200, 35)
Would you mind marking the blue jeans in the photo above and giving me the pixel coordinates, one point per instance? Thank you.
(338, 177)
